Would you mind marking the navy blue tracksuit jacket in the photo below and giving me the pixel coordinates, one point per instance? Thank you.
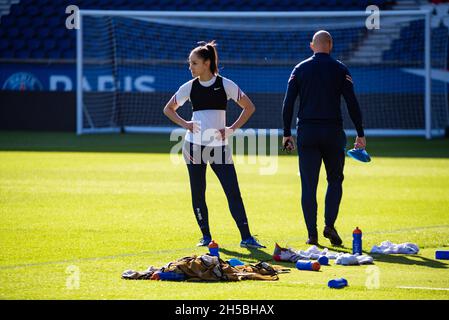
(320, 81)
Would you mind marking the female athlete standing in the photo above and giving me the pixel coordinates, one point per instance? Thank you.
(206, 137)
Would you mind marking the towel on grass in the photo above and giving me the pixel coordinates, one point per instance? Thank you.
(388, 247)
(313, 253)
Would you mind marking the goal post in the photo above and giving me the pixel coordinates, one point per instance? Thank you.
(129, 63)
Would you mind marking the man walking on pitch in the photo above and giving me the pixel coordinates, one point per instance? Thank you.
(320, 81)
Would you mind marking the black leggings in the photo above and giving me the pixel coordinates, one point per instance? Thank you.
(220, 160)
(318, 144)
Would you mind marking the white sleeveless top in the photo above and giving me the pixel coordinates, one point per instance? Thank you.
(209, 121)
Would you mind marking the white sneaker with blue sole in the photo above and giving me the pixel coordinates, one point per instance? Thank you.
(204, 242)
(251, 242)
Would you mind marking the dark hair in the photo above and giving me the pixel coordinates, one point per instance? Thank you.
(208, 51)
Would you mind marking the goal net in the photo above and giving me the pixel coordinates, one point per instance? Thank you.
(130, 63)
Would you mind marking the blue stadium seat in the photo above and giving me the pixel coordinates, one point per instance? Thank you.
(28, 2)
(93, 4)
(34, 44)
(7, 21)
(63, 3)
(16, 10)
(65, 44)
(49, 44)
(315, 3)
(7, 54)
(378, 3)
(104, 3)
(51, 11)
(22, 54)
(365, 3)
(60, 33)
(38, 21)
(55, 22)
(13, 33)
(345, 3)
(4, 44)
(33, 11)
(43, 32)
(28, 33)
(68, 54)
(53, 54)
(37, 54)
(18, 44)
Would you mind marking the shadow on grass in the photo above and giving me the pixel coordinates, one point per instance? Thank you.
(254, 255)
(250, 256)
(415, 260)
(321, 246)
(408, 147)
(335, 248)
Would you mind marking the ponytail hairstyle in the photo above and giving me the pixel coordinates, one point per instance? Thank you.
(208, 51)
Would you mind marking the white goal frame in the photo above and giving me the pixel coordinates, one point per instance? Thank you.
(426, 132)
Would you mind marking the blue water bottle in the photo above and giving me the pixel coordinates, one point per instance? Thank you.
(308, 265)
(357, 241)
(442, 255)
(337, 283)
(323, 260)
(172, 276)
(213, 249)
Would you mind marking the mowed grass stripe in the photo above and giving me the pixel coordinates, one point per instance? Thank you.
(128, 207)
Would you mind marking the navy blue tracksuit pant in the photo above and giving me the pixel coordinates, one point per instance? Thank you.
(316, 143)
(220, 160)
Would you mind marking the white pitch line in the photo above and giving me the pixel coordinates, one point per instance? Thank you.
(424, 288)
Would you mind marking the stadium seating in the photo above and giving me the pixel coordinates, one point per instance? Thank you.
(48, 39)
(410, 46)
(237, 49)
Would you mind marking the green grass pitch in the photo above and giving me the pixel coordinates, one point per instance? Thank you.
(102, 204)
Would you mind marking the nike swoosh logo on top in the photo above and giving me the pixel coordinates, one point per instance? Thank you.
(215, 89)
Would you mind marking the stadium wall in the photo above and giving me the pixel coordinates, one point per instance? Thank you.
(42, 96)
(40, 111)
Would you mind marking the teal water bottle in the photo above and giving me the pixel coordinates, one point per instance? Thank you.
(357, 241)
